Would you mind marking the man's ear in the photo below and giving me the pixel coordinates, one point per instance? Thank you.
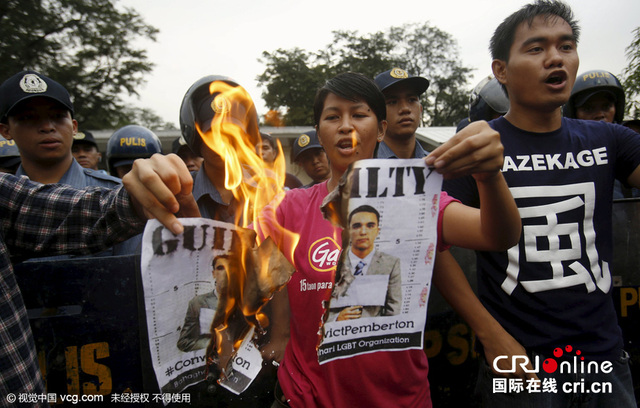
(499, 68)
(4, 131)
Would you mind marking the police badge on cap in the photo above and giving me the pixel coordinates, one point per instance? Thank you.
(29, 84)
(306, 141)
(32, 83)
(303, 140)
(397, 75)
(84, 137)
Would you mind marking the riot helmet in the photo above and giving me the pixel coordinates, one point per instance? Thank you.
(487, 99)
(129, 143)
(590, 83)
(9, 154)
(215, 95)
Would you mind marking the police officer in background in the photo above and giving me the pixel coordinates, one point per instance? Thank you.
(214, 200)
(217, 203)
(192, 160)
(404, 113)
(36, 112)
(127, 144)
(598, 95)
(9, 156)
(487, 102)
(85, 150)
(308, 153)
(267, 149)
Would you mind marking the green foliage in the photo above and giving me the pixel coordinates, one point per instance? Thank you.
(291, 80)
(86, 45)
(631, 81)
(293, 76)
(433, 54)
(368, 55)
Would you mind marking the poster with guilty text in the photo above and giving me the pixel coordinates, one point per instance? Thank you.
(389, 213)
(180, 295)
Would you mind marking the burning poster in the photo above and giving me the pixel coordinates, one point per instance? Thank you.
(388, 210)
(204, 295)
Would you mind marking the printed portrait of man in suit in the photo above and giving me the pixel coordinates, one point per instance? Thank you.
(196, 329)
(370, 282)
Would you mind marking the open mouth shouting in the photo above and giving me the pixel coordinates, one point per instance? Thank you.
(556, 79)
(347, 145)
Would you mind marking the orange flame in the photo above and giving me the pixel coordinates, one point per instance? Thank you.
(254, 184)
(233, 136)
(354, 139)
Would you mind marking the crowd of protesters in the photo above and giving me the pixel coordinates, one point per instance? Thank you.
(530, 178)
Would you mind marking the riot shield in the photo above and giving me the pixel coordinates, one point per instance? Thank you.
(84, 317)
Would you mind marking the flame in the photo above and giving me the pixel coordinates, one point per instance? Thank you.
(233, 136)
(253, 272)
(354, 139)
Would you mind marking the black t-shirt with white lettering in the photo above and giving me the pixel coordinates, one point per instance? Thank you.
(554, 288)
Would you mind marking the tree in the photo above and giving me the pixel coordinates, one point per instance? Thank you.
(291, 80)
(419, 48)
(369, 54)
(631, 74)
(433, 53)
(86, 45)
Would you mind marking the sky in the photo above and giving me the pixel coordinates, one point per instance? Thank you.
(205, 37)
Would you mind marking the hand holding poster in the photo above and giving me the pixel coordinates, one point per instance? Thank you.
(389, 212)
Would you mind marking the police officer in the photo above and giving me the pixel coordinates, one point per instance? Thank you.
(9, 156)
(404, 113)
(198, 111)
(192, 160)
(85, 150)
(598, 95)
(36, 112)
(127, 144)
(214, 200)
(487, 102)
(308, 153)
(267, 148)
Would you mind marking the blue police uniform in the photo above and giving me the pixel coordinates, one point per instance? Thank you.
(209, 201)
(79, 177)
(384, 152)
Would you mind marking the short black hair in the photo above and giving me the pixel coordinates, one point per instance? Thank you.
(503, 36)
(365, 208)
(354, 87)
(265, 137)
